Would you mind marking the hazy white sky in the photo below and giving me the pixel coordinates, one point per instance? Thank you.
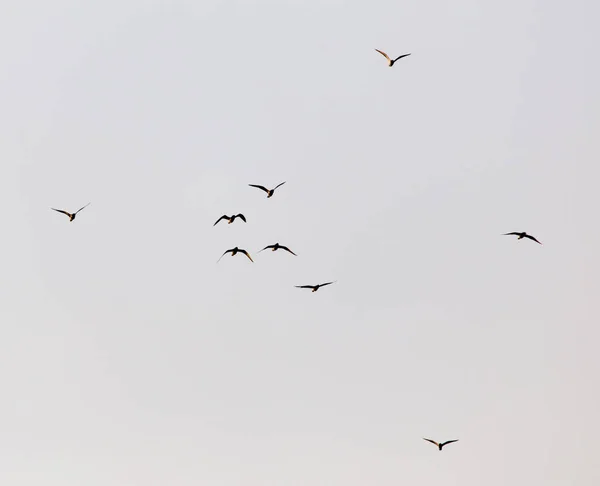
(128, 357)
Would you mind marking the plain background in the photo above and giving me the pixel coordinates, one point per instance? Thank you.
(129, 357)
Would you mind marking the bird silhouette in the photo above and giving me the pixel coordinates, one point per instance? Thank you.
(440, 444)
(268, 191)
(71, 215)
(314, 287)
(277, 246)
(233, 252)
(391, 61)
(522, 235)
(231, 219)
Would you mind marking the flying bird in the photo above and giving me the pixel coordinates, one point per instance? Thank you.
(314, 287)
(277, 246)
(522, 235)
(441, 444)
(268, 191)
(391, 61)
(233, 252)
(71, 215)
(231, 219)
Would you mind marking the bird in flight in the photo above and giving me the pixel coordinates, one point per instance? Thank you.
(314, 287)
(231, 219)
(522, 235)
(268, 191)
(440, 444)
(235, 250)
(277, 246)
(71, 215)
(391, 61)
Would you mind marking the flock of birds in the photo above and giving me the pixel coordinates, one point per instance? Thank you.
(277, 246)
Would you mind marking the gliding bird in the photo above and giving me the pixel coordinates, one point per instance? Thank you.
(233, 252)
(71, 215)
(231, 219)
(442, 444)
(277, 246)
(268, 191)
(391, 61)
(314, 287)
(522, 235)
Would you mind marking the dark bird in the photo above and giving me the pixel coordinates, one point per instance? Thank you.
(235, 250)
(231, 219)
(71, 215)
(314, 287)
(268, 191)
(441, 444)
(522, 235)
(277, 246)
(391, 61)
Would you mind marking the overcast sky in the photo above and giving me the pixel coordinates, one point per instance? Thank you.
(129, 357)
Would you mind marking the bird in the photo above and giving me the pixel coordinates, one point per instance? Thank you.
(522, 235)
(71, 215)
(277, 246)
(440, 444)
(231, 219)
(235, 250)
(391, 61)
(314, 287)
(268, 191)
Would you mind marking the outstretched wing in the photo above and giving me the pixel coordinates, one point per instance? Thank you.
(432, 441)
(328, 283)
(400, 57)
(279, 185)
(383, 54)
(246, 253)
(241, 216)
(266, 248)
(259, 187)
(61, 211)
(448, 442)
(513, 233)
(83, 207)
(305, 286)
(287, 249)
(228, 251)
(222, 217)
(532, 238)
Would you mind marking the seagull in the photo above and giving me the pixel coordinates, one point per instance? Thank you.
(277, 246)
(71, 215)
(231, 219)
(391, 61)
(314, 287)
(268, 191)
(442, 444)
(522, 235)
(235, 250)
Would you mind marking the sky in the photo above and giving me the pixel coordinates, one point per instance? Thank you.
(130, 357)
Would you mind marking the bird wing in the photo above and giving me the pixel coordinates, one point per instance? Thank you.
(400, 57)
(266, 248)
(305, 286)
(241, 216)
(432, 441)
(61, 211)
(223, 255)
(328, 283)
(383, 54)
(279, 185)
(83, 207)
(246, 253)
(222, 217)
(287, 249)
(532, 238)
(259, 187)
(513, 233)
(448, 442)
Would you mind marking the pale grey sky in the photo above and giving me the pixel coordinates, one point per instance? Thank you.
(129, 357)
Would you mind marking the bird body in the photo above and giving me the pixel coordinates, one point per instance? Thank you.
(70, 215)
(440, 444)
(314, 287)
(231, 219)
(277, 246)
(269, 192)
(235, 251)
(522, 235)
(391, 61)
